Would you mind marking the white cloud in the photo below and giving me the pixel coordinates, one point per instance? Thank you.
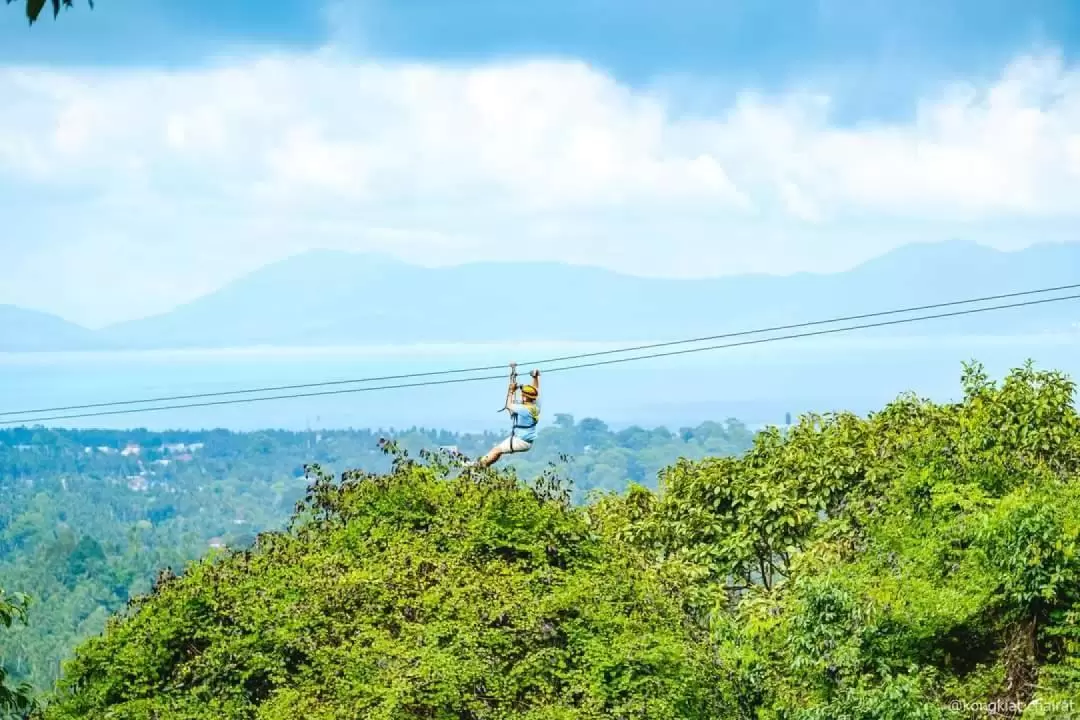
(222, 169)
(970, 154)
(798, 203)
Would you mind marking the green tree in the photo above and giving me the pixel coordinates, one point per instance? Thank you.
(873, 568)
(17, 701)
(889, 566)
(406, 595)
(74, 531)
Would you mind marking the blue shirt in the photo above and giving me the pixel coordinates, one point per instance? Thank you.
(525, 418)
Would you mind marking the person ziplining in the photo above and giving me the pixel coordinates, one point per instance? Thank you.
(524, 417)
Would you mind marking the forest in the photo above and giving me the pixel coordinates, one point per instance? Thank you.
(91, 516)
(919, 562)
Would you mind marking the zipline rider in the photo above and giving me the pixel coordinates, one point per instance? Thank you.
(524, 417)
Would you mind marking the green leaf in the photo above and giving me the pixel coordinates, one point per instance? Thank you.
(33, 9)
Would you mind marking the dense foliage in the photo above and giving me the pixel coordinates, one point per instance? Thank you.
(918, 563)
(404, 595)
(921, 562)
(905, 565)
(84, 526)
(17, 700)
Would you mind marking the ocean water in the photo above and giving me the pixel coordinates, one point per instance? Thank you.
(757, 384)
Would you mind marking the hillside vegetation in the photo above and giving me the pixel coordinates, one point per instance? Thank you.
(912, 564)
(86, 522)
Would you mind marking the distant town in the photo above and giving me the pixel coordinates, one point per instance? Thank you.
(163, 456)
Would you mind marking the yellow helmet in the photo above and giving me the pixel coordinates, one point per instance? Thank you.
(528, 391)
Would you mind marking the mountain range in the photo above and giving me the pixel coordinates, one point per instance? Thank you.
(336, 298)
(23, 330)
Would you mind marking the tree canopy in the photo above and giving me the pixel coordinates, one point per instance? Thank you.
(406, 595)
(921, 562)
(13, 700)
(87, 522)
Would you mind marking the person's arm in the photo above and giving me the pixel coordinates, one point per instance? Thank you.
(536, 381)
(512, 387)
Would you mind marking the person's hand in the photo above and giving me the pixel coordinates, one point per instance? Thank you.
(536, 374)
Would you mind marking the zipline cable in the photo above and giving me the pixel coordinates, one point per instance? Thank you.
(428, 383)
(564, 358)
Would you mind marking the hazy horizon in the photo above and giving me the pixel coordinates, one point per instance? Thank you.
(756, 385)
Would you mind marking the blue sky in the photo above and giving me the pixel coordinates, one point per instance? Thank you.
(889, 50)
(766, 42)
(152, 150)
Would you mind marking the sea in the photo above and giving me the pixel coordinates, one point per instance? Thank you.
(761, 384)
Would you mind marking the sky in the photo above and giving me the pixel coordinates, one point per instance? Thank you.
(151, 151)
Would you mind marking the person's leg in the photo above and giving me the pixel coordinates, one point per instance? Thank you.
(508, 446)
(491, 458)
(496, 452)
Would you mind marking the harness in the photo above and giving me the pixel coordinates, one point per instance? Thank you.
(515, 426)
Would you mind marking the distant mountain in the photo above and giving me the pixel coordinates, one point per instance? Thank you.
(23, 330)
(336, 298)
(326, 297)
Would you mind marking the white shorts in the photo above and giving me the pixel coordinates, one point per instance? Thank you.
(513, 444)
